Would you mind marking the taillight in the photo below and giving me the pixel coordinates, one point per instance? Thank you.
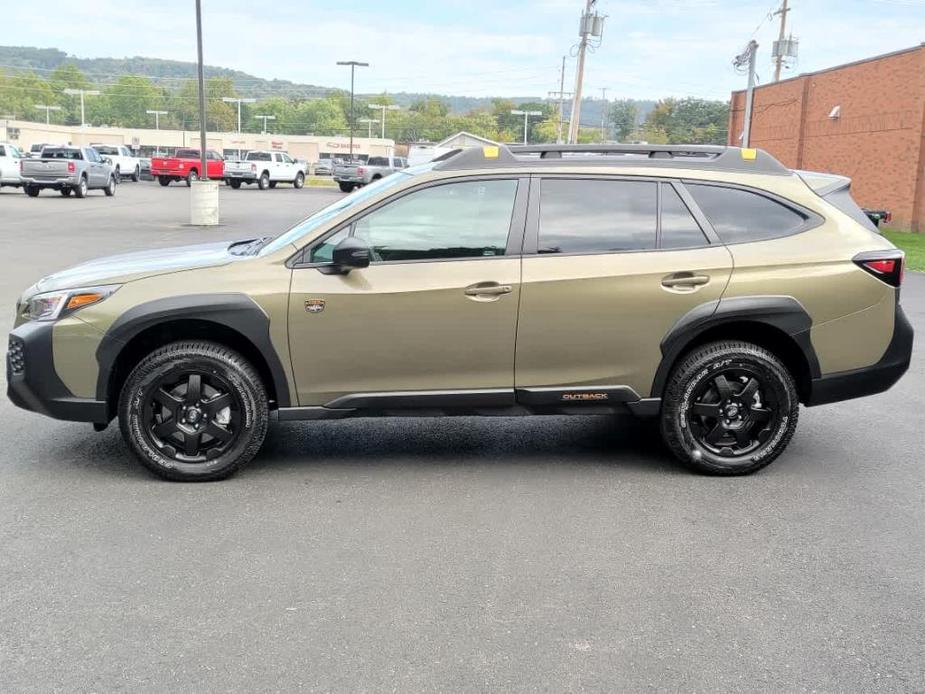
(888, 217)
(887, 266)
(254, 168)
(20, 166)
(71, 167)
(360, 171)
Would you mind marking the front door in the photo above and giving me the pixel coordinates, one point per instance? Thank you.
(435, 312)
(612, 265)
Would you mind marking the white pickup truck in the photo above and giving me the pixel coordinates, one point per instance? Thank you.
(266, 169)
(10, 157)
(124, 163)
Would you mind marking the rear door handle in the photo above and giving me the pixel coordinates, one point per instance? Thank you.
(488, 289)
(681, 280)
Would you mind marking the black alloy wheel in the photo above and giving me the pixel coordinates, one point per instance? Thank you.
(192, 417)
(729, 408)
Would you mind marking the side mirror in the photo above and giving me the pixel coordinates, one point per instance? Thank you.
(107, 160)
(350, 254)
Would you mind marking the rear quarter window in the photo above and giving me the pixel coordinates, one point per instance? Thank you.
(740, 216)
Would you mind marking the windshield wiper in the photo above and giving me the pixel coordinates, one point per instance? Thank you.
(249, 246)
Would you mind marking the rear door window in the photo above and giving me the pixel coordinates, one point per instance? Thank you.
(595, 216)
(679, 228)
(740, 216)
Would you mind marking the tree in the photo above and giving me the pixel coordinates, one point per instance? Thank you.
(624, 115)
(68, 76)
(689, 120)
(125, 102)
(321, 117)
(20, 92)
(220, 116)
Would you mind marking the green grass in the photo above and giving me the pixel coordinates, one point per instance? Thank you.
(912, 244)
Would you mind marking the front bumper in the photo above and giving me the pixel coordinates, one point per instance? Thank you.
(32, 383)
(869, 380)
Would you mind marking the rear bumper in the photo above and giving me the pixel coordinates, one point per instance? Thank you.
(869, 380)
(32, 383)
(60, 182)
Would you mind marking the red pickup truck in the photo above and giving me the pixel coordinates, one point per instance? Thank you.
(185, 165)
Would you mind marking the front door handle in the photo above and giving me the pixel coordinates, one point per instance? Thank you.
(684, 280)
(488, 290)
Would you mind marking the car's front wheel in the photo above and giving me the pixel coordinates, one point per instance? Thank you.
(194, 411)
(136, 175)
(729, 408)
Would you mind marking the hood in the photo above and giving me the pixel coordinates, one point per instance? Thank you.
(118, 269)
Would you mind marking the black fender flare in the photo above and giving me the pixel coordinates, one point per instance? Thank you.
(782, 312)
(235, 311)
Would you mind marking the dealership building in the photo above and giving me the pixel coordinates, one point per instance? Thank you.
(146, 142)
(865, 120)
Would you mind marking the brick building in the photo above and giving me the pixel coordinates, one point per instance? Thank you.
(865, 120)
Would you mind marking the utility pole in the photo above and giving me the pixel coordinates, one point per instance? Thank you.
(354, 64)
(157, 117)
(592, 26)
(748, 57)
(526, 115)
(82, 93)
(232, 100)
(560, 95)
(779, 55)
(265, 119)
(603, 113)
(48, 110)
(384, 107)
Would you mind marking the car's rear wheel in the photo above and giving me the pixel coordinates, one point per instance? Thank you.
(345, 187)
(192, 177)
(234, 184)
(729, 408)
(110, 188)
(32, 191)
(194, 411)
(273, 184)
(80, 190)
(299, 180)
(118, 175)
(164, 180)
(264, 181)
(136, 176)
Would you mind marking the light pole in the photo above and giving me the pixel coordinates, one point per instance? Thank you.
(747, 58)
(82, 93)
(354, 64)
(385, 107)
(232, 100)
(369, 122)
(48, 110)
(157, 117)
(526, 115)
(265, 119)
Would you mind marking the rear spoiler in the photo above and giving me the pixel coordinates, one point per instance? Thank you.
(824, 183)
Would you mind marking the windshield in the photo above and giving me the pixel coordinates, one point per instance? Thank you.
(106, 150)
(310, 224)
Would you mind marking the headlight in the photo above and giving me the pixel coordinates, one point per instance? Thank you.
(53, 305)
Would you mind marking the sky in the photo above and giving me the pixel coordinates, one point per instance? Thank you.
(650, 48)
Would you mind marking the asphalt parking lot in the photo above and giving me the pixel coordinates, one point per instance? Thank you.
(503, 554)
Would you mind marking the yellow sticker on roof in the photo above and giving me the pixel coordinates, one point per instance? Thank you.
(491, 152)
(749, 154)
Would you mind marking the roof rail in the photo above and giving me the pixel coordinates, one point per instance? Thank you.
(705, 157)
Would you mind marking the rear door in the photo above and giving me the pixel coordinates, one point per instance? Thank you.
(610, 264)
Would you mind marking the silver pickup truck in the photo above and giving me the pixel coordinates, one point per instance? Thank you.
(69, 170)
(351, 174)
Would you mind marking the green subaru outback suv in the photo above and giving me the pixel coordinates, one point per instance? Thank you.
(710, 287)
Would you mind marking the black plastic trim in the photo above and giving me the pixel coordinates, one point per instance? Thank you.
(782, 312)
(869, 380)
(235, 311)
(37, 387)
(490, 397)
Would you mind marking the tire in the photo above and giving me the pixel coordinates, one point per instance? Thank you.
(345, 187)
(163, 180)
(80, 190)
(118, 175)
(273, 184)
(110, 188)
(264, 181)
(729, 408)
(217, 448)
(299, 180)
(32, 191)
(137, 175)
(65, 192)
(192, 177)
(234, 184)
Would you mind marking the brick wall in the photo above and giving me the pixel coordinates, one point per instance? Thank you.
(878, 139)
